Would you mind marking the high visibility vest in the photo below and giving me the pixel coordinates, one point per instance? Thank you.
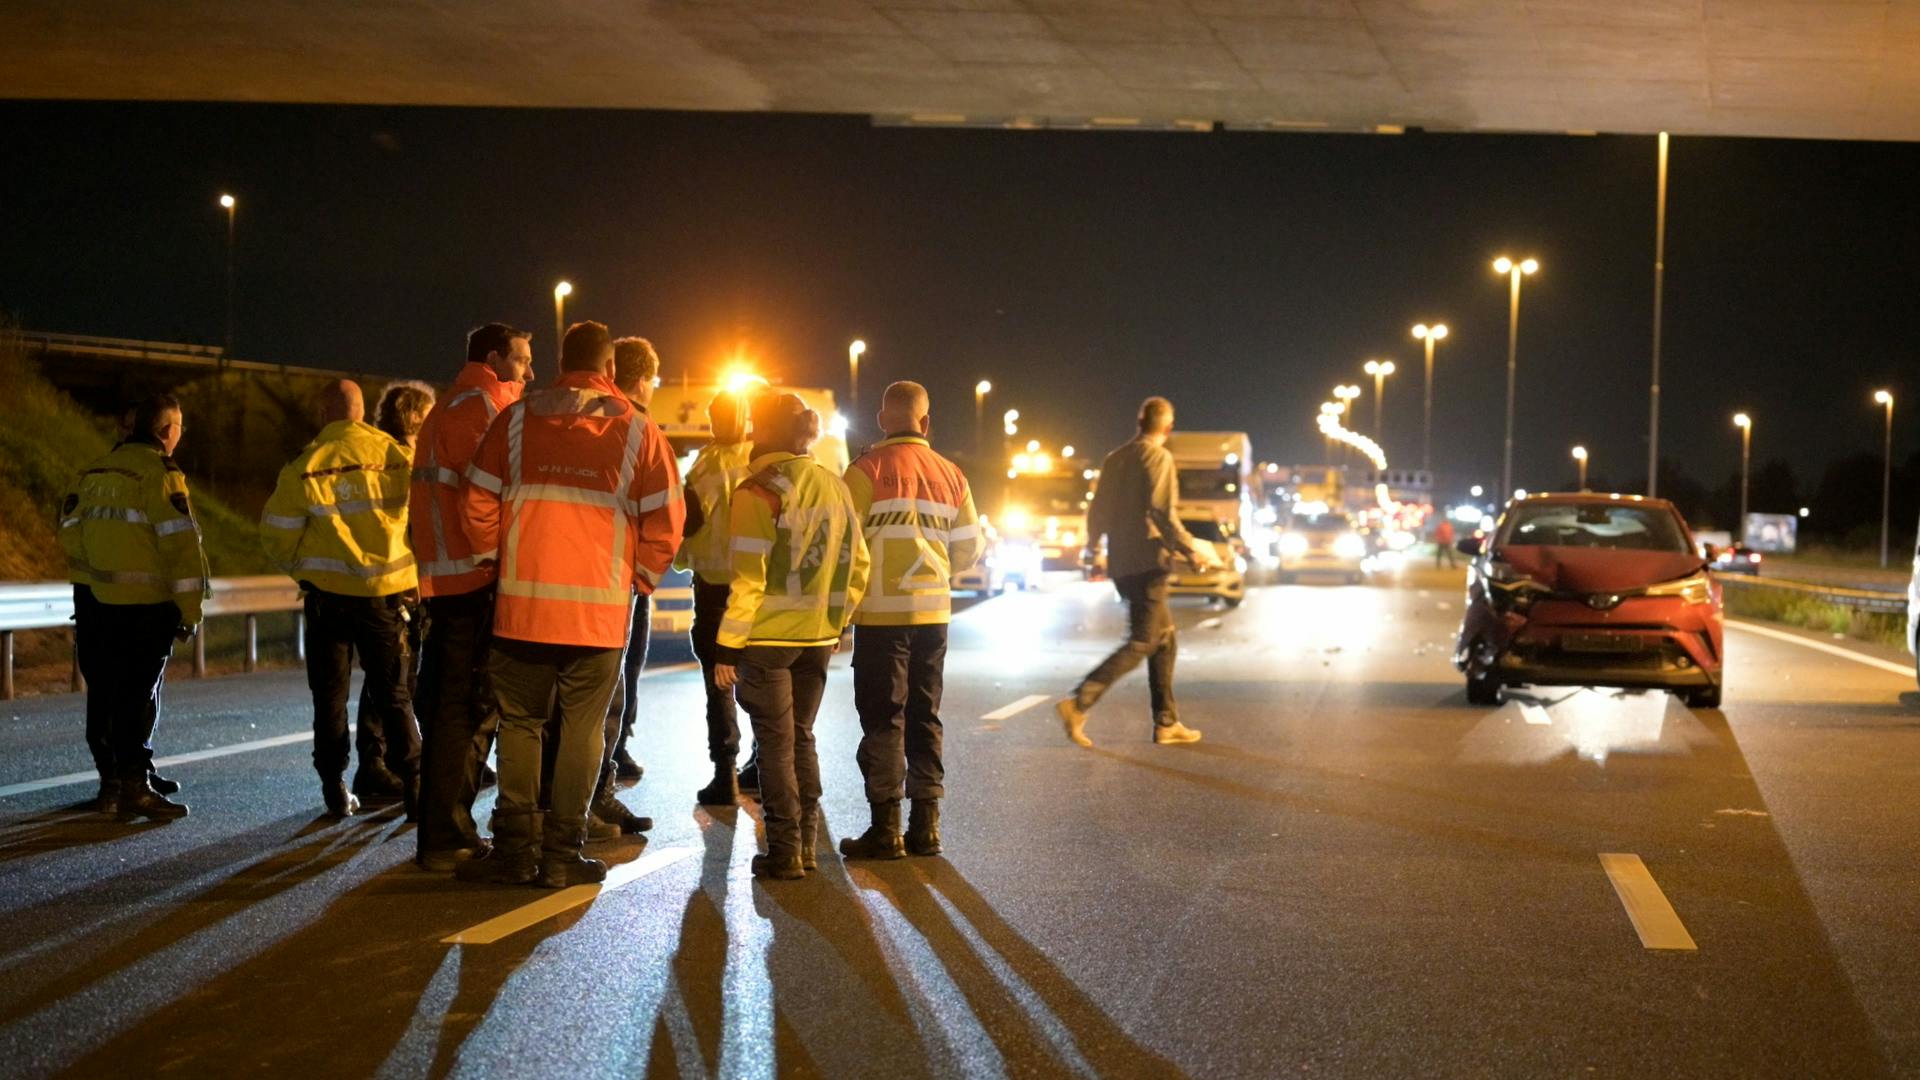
(442, 452)
(799, 560)
(715, 473)
(575, 494)
(129, 533)
(337, 519)
(921, 529)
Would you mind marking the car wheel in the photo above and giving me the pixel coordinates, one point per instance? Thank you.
(1231, 602)
(1707, 698)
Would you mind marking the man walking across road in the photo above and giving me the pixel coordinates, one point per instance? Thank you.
(576, 496)
(1135, 508)
(799, 569)
(337, 524)
(139, 576)
(921, 529)
(719, 469)
(457, 713)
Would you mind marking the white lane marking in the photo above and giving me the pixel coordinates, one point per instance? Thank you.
(1008, 712)
(547, 907)
(28, 786)
(1902, 670)
(1658, 925)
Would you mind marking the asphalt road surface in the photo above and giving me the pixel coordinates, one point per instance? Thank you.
(1355, 874)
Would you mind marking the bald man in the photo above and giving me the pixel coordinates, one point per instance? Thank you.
(918, 517)
(337, 524)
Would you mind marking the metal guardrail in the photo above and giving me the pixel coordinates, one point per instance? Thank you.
(212, 357)
(48, 605)
(1861, 599)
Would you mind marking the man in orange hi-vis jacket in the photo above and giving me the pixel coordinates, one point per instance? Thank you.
(455, 706)
(575, 496)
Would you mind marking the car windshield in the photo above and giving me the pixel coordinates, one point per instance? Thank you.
(1212, 485)
(1049, 495)
(1596, 525)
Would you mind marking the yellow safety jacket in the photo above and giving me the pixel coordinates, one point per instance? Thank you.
(715, 473)
(129, 534)
(337, 520)
(921, 528)
(799, 560)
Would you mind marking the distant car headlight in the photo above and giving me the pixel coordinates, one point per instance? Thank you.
(1017, 519)
(1694, 590)
(1293, 545)
(1350, 546)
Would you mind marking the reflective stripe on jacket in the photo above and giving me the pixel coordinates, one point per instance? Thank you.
(710, 481)
(338, 517)
(921, 529)
(575, 493)
(129, 532)
(799, 559)
(443, 450)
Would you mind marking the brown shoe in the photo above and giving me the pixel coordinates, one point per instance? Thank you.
(1174, 734)
(1074, 719)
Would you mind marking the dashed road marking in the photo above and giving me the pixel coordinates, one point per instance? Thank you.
(1008, 712)
(548, 906)
(1658, 925)
(1902, 670)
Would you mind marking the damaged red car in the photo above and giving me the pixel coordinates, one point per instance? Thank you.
(1590, 590)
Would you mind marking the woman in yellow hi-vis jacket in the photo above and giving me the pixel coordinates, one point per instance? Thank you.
(799, 570)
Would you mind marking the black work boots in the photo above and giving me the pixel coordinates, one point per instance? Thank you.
(724, 790)
(341, 803)
(923, 828)
(138, 800)
(374, 782)
(882, 838)
(513, 859)
(561, 864)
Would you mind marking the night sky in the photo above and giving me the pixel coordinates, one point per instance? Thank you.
(1241, 274)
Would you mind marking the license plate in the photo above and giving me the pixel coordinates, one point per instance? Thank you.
(1600, 643)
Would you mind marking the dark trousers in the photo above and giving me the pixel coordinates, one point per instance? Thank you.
(619, 727)
(339, 628)
(576, 683)
(458, 716)
(1150, 637)
(370, 740)
(898, 673)
(1443, 551)
(123, 650)
(723, 719)
(780, 687)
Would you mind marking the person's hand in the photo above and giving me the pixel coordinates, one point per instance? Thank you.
(1203, 561)
(726, 676)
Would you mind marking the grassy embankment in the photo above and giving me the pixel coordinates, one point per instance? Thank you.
(1813, 613)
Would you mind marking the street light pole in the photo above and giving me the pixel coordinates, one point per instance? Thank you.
(854, 352)
(230, 205)
(1428, 335)
(1379, 369)
(1580, 457)
(1745, 424)
(1514, 272)
(1659, 283)
(560, 293)
(980, 391)
(1885, 397)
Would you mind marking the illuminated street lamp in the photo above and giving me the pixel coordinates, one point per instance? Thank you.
(1514, 271)
(1010, 421)
(560, 293)
(980, 391)
(1745, 424)
(1379, 369)
(230, 205)
(1346, 393)
(855, 351)
(1885, 397)
(1580, 456)
(1430, 336)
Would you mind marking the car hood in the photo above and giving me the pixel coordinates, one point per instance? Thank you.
(1575, 569)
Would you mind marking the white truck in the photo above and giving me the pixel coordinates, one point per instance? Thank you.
(1216, 505)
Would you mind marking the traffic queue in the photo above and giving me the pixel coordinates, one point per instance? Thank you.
(489, 559)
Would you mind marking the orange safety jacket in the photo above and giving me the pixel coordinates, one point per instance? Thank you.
(574, 492)
(921, 529)
(442, 452)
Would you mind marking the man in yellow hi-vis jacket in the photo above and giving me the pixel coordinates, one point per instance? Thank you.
(799, 569)
(719, 469)
(922, 528)
(337, 524)
(139, 576)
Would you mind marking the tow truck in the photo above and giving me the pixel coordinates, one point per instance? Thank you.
(1042, 523)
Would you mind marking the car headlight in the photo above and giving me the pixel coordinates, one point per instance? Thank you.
(1694, 590)
(1293, 545)
(1017, 519)
(1350, 546)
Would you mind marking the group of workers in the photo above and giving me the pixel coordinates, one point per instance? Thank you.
(488, 559)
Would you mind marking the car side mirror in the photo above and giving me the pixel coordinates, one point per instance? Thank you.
(1709, 552)
(1469, 546)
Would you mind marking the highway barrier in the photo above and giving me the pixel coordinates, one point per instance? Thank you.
(1867, 614)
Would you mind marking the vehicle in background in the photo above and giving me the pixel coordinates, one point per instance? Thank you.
(1216, 486)
(1228, 583)
(1737, 559)
(1913, 604)
(1042, 521)
(1590, 590)
(1323, 545)
(987, 577)
(680, 409)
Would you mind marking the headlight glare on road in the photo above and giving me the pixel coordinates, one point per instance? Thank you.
(1693, 590)
(1350, 546)
(1293, 545)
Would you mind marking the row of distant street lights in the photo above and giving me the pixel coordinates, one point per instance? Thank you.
(1882, 398)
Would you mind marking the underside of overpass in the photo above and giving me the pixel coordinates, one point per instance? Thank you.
(1846, 69)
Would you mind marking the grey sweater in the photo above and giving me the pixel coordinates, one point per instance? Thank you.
(1134, 508)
